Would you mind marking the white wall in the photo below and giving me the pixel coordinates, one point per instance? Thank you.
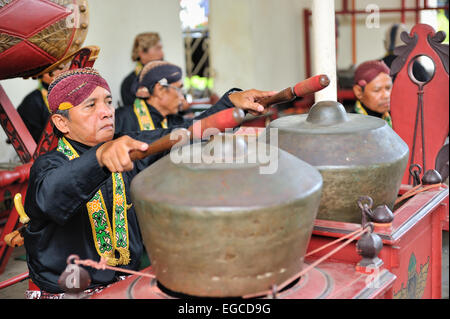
(113, 25)
(255, 43)
(260, 43)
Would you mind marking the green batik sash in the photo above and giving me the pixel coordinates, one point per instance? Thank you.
(107, 240)
(138, 68)
(361, 110)
(144, 118)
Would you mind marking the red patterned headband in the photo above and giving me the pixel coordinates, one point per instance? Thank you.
(368, 71)
(72, 87)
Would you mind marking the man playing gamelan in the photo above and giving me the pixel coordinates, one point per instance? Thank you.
(78, 196)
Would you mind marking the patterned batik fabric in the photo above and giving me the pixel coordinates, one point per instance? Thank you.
(108, 240)
(361, 110)
(72, 87)
(144, 118)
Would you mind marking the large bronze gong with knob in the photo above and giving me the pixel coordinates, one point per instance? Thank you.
(357, 155)
(219, 226)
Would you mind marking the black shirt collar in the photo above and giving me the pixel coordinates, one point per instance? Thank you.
(79, 147)
(154, 113)
(370, 112)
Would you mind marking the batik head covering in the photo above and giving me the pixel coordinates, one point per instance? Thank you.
(72, 87)
(367, 71)
(154, 72)
(143, 42)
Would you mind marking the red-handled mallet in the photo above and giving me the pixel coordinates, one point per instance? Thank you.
(229, 118)
(178, 137)
(305, 87)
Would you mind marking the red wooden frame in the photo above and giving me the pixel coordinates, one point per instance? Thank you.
(345, 11)
(416, 230)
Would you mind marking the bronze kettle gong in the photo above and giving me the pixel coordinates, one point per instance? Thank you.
(357, 155)
(219, 227)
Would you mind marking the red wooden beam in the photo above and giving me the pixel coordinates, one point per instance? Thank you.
(15, 128)
(390, 10)
(14, 280)
(403, 15)
(306, 14)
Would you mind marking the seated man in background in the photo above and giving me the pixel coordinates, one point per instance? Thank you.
(159, 99)
(372, 88)
(34, 109)
(78, 194)
(146, 47)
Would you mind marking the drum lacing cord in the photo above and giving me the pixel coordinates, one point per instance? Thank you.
(277, 288)
(416, 190)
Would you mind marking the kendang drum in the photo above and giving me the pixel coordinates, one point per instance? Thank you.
(357, 155)
(35, 34)
(222, 221)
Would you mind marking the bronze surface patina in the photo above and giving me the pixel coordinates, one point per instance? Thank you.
(357, 155)
(223, 229)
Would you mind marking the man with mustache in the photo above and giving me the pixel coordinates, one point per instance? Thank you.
(159, 99)
(78, 196)
(372, 88)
